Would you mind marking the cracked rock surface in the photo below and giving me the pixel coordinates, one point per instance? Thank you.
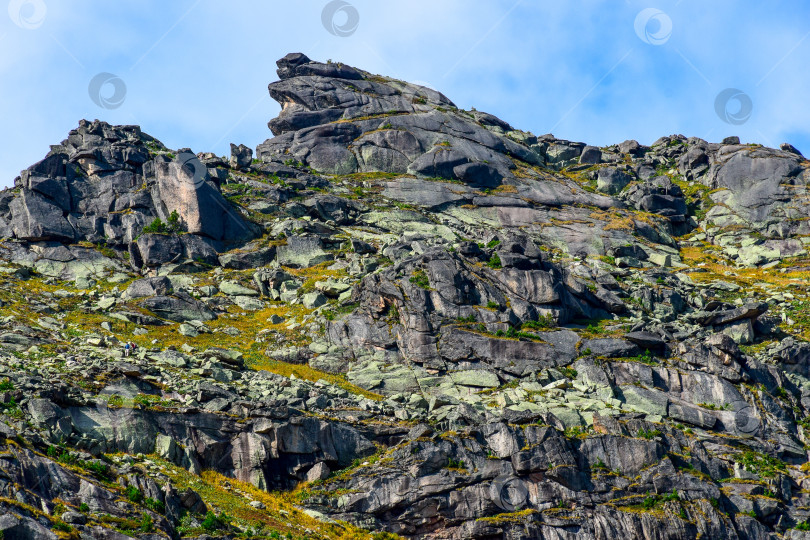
(404, 319)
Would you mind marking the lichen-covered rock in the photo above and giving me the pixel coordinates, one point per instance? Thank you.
(107, 183)
(418, 319)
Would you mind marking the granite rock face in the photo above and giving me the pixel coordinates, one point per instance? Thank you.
(107, 183)
(340, 120)
(403, 318)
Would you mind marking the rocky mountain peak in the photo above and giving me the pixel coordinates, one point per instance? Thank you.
(404, 319)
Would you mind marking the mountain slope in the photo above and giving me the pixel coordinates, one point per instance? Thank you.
(406, 317)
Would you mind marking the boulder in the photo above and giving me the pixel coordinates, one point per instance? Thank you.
(313, 300)
(658, 195)
(157, 249)
(180, 307)
(302, 252)
(475, 378)
(154, 286)
(241, 156)
(630, 147)
(185, 186)
(37, 218)
(691, 415)
(787, 147)
(722, 317)
(645, 340)
(319, 471)
(233, 288)
(591, 155)
(611, 180)
(330, 208)
(754, 177)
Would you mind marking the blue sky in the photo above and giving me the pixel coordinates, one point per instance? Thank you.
(196, 71)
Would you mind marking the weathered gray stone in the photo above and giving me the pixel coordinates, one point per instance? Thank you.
(179, 308)
(250, 259)
(248, 303)
(646, 400)
(645, 340)
(475, 378)
(302, 252)
(241, 156)
(590, 155)
(313, 300)
(156, 286)
(185, 186)
(232, 288)
(611, 180)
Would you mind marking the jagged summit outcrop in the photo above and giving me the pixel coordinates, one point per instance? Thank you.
(341, 120)
(404, 318)
(108, 183)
